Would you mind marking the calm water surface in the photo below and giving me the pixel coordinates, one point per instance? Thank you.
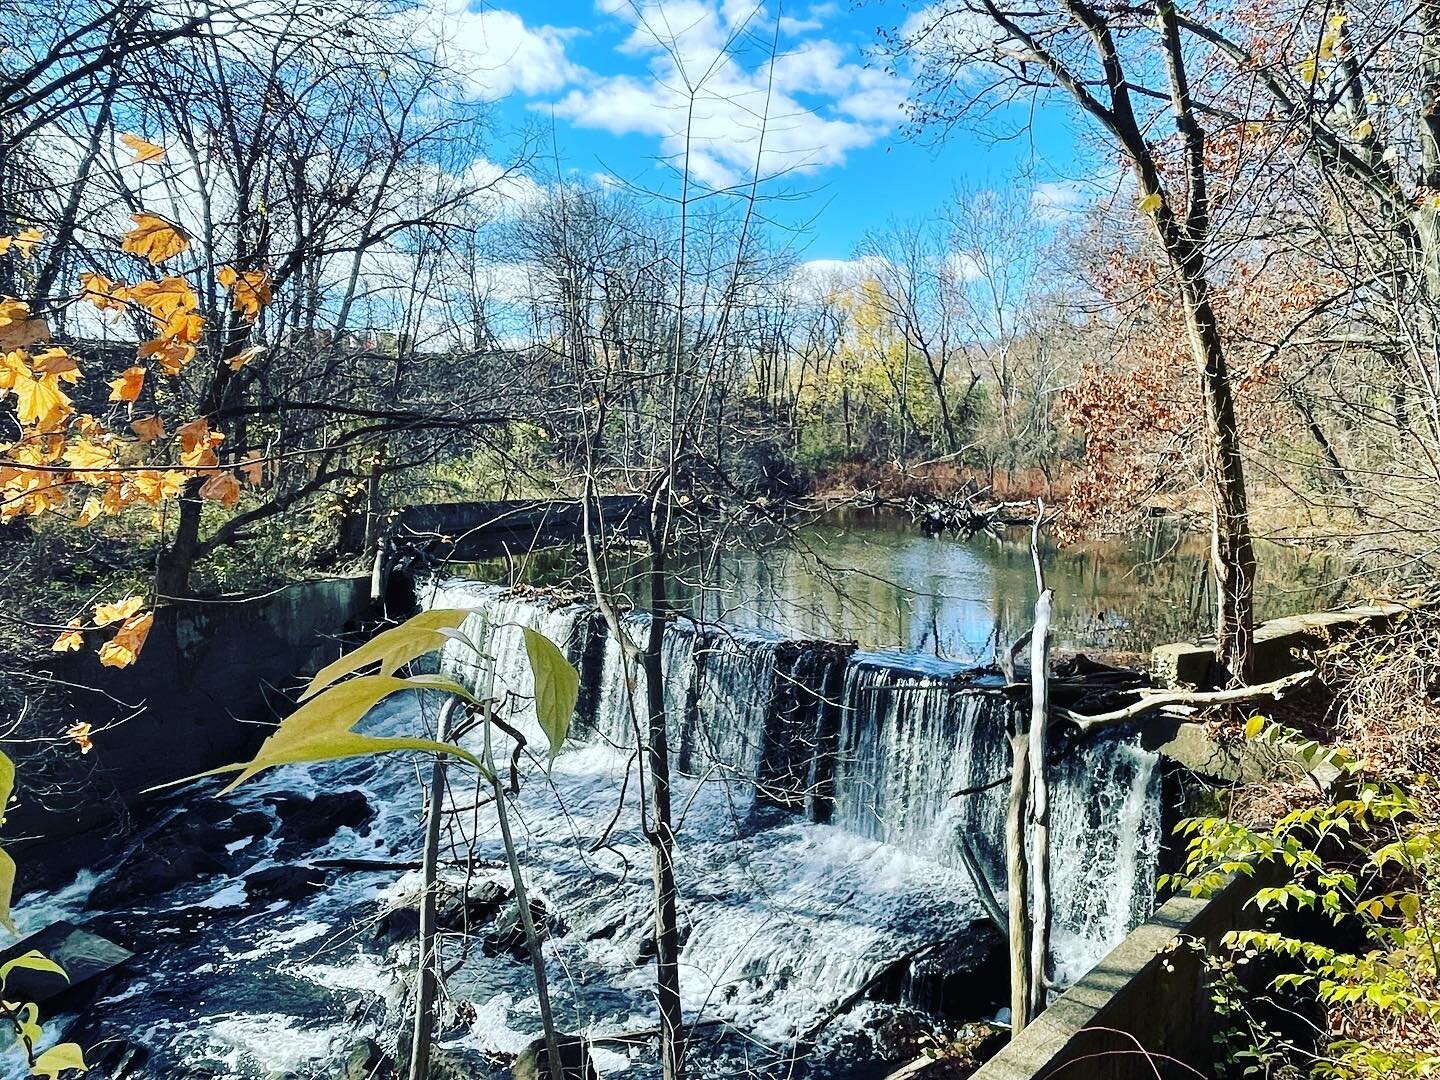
(875, 579)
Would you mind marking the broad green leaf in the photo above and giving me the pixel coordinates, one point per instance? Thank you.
(320, 729)
(57, 1059)
(7, 888)
(7, 784)
(31, 961)
(412, 638)
(557, 688)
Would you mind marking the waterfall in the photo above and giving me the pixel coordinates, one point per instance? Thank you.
(875, 744)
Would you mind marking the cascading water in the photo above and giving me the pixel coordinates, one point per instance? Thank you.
(817, 846)
(875, 744)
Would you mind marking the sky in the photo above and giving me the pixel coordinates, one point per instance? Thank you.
(606, 87)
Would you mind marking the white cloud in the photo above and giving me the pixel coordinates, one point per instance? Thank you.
(495, 51)
(709, 75)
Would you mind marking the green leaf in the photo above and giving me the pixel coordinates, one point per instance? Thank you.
(7, 784)
(57, 1059)
(7, 889)
(557, 688)
(33, 960)
(413, 638)
(27, 1020)
(320, 729)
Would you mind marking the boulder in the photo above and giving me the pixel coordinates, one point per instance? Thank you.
(304, 822)
(469, 910)
(284, 883)
(183, 849)
(367, 1061)
(534, 1061)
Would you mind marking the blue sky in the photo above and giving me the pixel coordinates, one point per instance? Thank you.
(616, 79)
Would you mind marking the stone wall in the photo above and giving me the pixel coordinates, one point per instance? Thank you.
(214, 676)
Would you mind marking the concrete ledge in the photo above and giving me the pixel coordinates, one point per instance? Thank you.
(1142, 1012)
(1277, 643)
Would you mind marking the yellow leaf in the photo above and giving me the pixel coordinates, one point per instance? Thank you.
(40, 402)
(413, 638)
(89, 512)
(24, 242)
(7, 889)
(86, 455)
(144, 151)
(148, 429)
(154, 238)
(1254, 726)
(34, 960)
(557, 687)
(105, 614)
(56, 1060)
(128, 386)
(7, 785)
(1150, 203)
(1363, 130)
(117, 656)
(99, 290)
(69, 641)
(320, 729)
(222, 488)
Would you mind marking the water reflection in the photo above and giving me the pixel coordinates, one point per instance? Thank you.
(873, 578)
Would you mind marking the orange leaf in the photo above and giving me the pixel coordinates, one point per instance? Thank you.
(144, 151)
(243, 357)
(154, 239)
(127, 387)
(171, 355)
(105, 294)
(59, 363)
(165, 298)
(24, 242)
(17, 329)
(134, 631)
(250, 292)
(253, 467)
(222, 488)
(148, 429)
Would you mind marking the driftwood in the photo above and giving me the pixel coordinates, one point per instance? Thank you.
(1153, 700)
(965, 515)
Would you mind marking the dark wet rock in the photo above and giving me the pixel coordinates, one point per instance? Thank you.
(368, 1061)
(305, 822)
(284, 883)
(963, 978)
(470, 909)
(397, 924)
(183, 849)
(507, 933)
(117, 1059)
(534, 1061)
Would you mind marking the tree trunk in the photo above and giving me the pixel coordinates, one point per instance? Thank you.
(1039, 869)
(662, 840)
(1232, 549)
(426, 981)
(1017, 889)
